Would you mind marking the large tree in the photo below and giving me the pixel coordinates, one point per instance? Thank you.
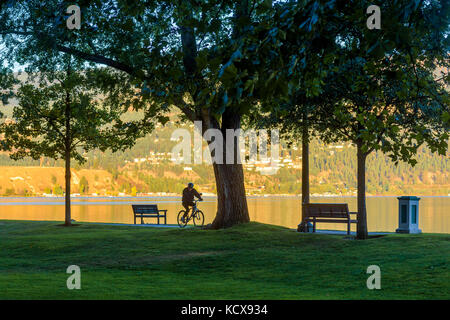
(203, 57)
(388, 89)
(181, 53)
(377, 88)
(61, 114)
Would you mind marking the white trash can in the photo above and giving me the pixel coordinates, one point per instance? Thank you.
(408, 215)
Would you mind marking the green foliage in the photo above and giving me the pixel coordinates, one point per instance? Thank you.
(382, 89)
(62, 117)
(390, 98)
(7, 81)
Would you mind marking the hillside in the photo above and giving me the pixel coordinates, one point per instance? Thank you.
(147, 168)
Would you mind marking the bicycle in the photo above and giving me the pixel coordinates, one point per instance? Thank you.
(196, 215)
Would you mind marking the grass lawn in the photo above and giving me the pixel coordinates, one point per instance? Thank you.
(251, 261)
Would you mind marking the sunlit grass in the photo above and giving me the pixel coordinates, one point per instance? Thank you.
(251, 261)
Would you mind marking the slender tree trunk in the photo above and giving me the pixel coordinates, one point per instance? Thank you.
(68, 219)
(305, 173)
(67, 145)
(305, 167)
(361, 228)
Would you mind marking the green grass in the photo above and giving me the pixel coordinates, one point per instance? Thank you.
(251, 261)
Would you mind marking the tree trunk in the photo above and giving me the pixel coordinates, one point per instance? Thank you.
(305, 174)
(361, 228)
(305, 167)
(68, 220)
(231, 198)
(67, 149)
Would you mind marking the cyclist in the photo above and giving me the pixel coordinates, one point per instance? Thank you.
(188, 198)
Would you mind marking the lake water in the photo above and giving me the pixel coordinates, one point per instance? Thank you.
(382, 212)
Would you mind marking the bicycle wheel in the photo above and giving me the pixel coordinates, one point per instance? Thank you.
(199, 219)
(180, 215)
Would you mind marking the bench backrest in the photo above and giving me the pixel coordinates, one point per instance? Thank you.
(145, 208)
(327, 210)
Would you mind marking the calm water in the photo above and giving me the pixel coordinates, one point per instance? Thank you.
(434, 213)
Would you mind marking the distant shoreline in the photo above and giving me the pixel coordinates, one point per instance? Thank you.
(211, 196)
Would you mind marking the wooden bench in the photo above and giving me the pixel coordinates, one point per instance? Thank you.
(148, 211)
(328, 212)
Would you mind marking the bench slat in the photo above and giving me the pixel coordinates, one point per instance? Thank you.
(331, 210)
(329, 214)
(332, 220)
(149, 215)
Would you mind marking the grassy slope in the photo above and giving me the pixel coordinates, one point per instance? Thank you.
(252, 261)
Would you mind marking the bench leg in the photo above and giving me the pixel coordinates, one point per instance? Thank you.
(134, 219)
(348, 227)
(314, 224)
(142, 219)
(165, 221)
(158, 218)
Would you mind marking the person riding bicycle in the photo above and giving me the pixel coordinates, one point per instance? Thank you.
(188, 198)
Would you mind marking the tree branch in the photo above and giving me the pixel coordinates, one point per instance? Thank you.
(97, 59)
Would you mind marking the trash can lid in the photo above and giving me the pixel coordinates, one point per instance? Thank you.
(408, 198)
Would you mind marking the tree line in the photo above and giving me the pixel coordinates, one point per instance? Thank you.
(332, 171)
